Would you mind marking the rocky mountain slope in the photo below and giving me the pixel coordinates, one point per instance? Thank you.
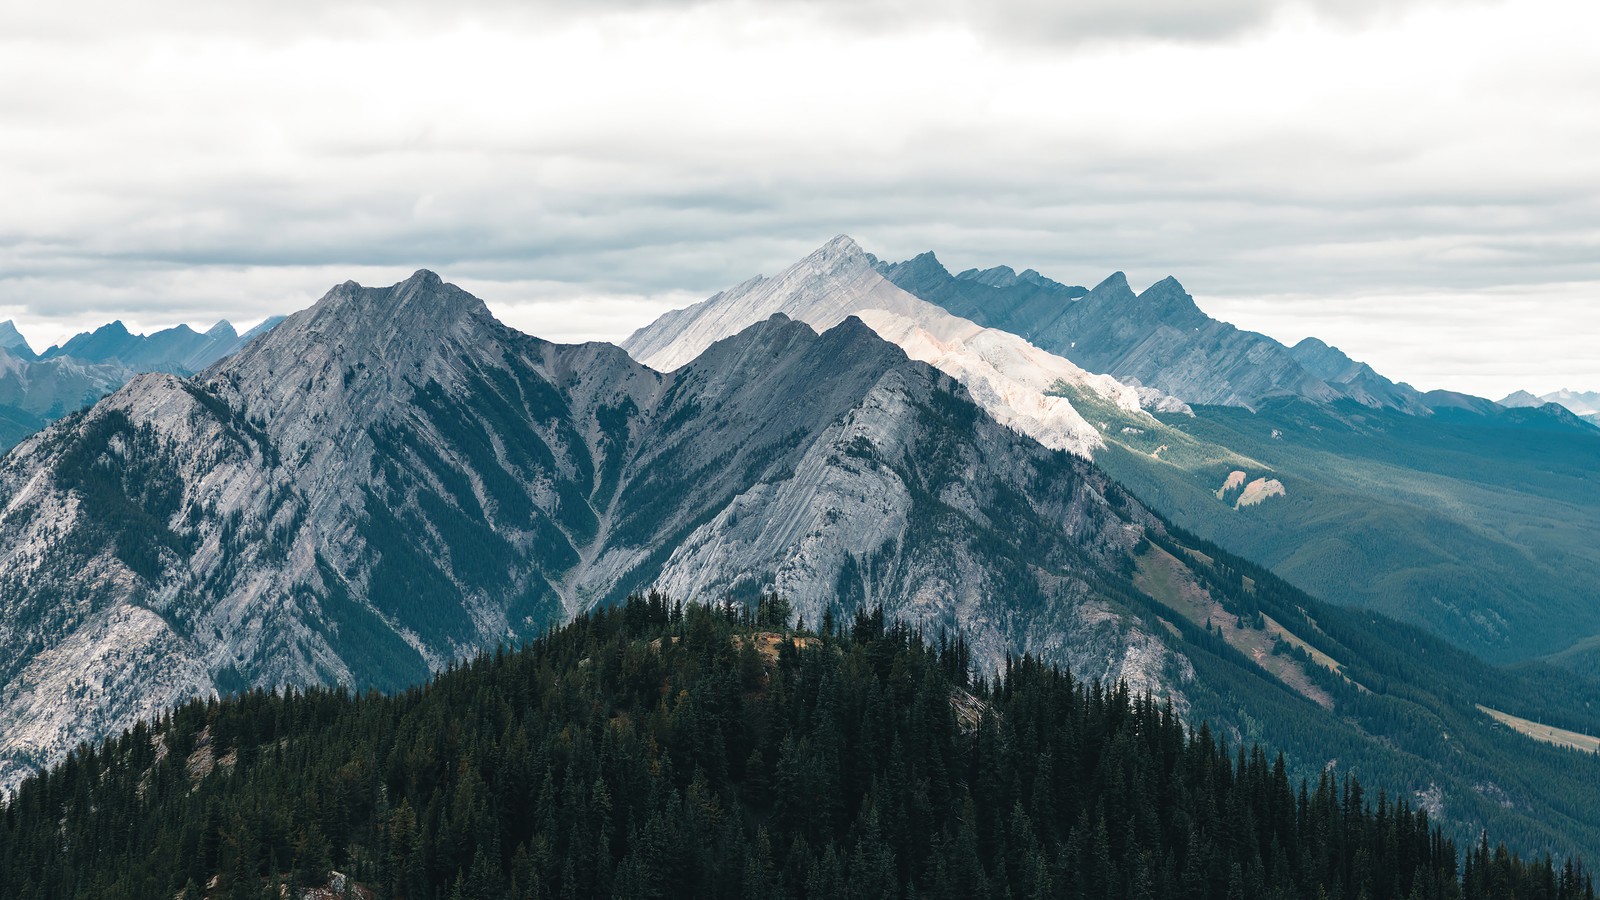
(1016, 383)
(1158, 338)
(391, 480)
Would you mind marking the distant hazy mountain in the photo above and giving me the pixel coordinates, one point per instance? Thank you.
(36, 390)
(13, 342)
(1585, 404)
(180, 350)
(1159, 338)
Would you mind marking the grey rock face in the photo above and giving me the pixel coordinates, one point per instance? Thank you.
(1015, 382)
(392, 479)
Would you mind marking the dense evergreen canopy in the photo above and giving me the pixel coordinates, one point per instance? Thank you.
(654, 750)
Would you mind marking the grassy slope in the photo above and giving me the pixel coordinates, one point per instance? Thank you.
(1477, 530)
(1405, 706)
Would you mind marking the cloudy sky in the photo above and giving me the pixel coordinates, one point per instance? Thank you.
(1417, 183)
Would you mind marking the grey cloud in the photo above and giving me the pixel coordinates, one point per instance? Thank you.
(1025, 22)
(169, 201)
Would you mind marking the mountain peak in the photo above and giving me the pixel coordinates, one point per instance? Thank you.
(840, 253)
(426, 278)
(12, 339)
(841, 243)
(1520, 398)
(997, 277)
(1177, 308)
(1166, 285)
(924, 269)
(926, 260)
(1115, 285)
(421, 300)
(400, 325)
(223, 329)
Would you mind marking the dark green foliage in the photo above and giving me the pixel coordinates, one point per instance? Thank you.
(1412, 725)
(650, 750)
(129, 486)
(405, 580)
(376, 654)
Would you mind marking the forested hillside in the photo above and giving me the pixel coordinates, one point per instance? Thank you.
(654, 750)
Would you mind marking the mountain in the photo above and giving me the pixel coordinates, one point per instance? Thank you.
(1585, 404)
(1357, 380)
(12, 341)
(37, 390)
(391, 480)
(662, 751)
(1034, 299)
(34, 392)
(1453, 513)
(1016, 383)
(179, 350)
(1158, 338)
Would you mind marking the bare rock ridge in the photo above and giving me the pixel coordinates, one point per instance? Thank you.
(391, 479)
(1159, 338)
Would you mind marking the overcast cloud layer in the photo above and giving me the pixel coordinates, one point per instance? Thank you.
(1415, 183)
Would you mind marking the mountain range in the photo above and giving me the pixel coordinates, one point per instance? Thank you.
(180, 350)
(1444, 510)
(392, 480)
(1158, 338)
(1585, 404)
(38, 388)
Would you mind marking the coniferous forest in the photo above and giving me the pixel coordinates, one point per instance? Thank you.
(658, 750)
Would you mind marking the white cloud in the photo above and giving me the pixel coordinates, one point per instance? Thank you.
(184, 161)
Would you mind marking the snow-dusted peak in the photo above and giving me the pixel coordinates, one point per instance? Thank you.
(1010, 378)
